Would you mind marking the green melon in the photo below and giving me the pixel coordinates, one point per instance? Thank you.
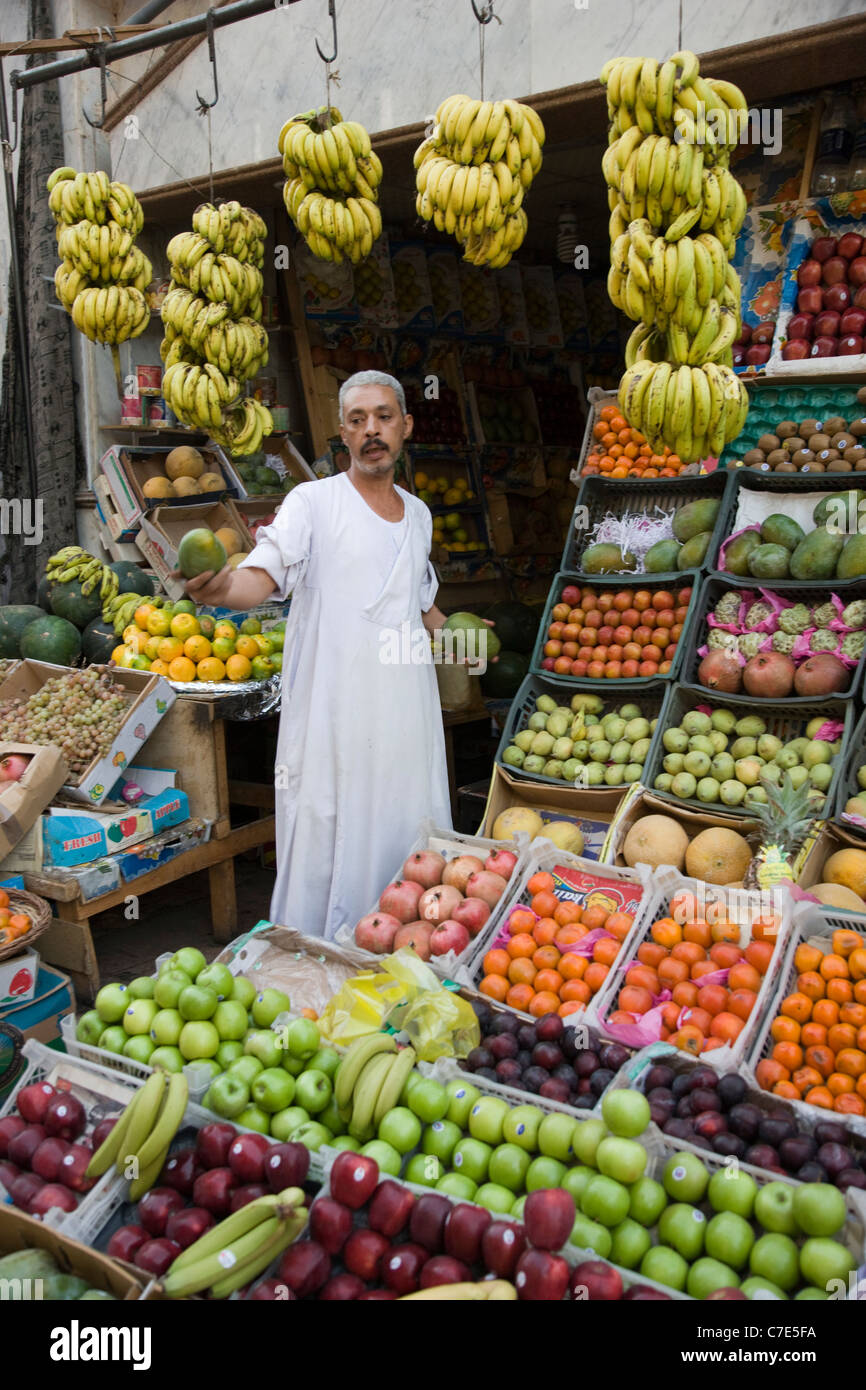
(200, 550)
(503, 678)
(69, 602)
(98, 641)
(51, 639)
(516, 625)
(133, 579)
(13, 620)
(470, 622)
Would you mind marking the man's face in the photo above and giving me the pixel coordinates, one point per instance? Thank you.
(373, 429)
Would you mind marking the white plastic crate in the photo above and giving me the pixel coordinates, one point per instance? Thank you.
(666, 882)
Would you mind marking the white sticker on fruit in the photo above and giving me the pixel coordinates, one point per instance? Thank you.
(458, 1160)
(698, 1215)
(679, 1173)
(458, 1095)
(227, 1258)
(395, 1262)
(508, 1237)
(437, 1125)
(359, 1174)
(521, 1128)
(67, 1159)
(476, 1108)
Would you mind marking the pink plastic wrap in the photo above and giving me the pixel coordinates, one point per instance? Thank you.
(640, 1034)
(724, 547)
(802, 650)
(829, 731)
(584, 947)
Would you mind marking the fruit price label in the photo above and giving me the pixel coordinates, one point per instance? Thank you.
(591, 890)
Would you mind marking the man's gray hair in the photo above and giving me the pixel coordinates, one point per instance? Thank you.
(373, 379)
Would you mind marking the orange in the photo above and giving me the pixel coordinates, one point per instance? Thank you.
(541, 883)
(787, 1089)
(841, 1035)
(223, 647)
(725, 955)
(181, 669)
(796, 1006)
(642, 976)
(494, 987)
(685, 994)
(572, 966)
(854, 1014)
(247, 646)
(713, 998)
(703, 967)
(861, 1086)
(857, 964)
(620, 1016)
(807, 957)
(593, 918)
(546, 958)
(670, 1016)
(576, 990)
(849, 1105)
(698, 1018)
(688, 1039)
(726, 931)
(151, 648)
(184, 625)
(309, 1013)
(860, 991)
(158, 623)
(812, 985)
(635, 1000)
(759, 954)
(672, 972)
(496, 962)
(744, 976)
(826, 1012)
(823, 1059)
(784, 1029)
(545, 931)
(238, 668)
(544, 1003)
(649, 953)
(568, 936)
(834, 967)
(197, 648)
(698, 932)
(666, 932)
(567, 913)
(840, 991)
(159, 668)
(741, 1002)
(606, 950)
(521, 920)
(169, 648)
(838, 1084)
(141, 615)
(544, 903)
(789, 1054)
(521, 945)
(595, 975)
(805, 1078)
(569, 1008)
(619, 924)
(520, 997)
(728, 1026)
(811, 1035)
(548, 981)
(689, 951)
(845, 942)
(210, 668)
(819, 1095)
(769, 1071)
(225, 628)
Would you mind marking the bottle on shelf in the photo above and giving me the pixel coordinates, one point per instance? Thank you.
(835, 145)
(857, 167)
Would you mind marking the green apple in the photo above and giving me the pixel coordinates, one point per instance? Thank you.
(142, 987)
(243, 991)
(139, 1048)
(626, 1113)
(312, 1134)
(461, 1098)
(268, 1004)
(605, 1200)
(285, 1122)
(198, 1040)
(440, 1139)
(591, 1235)
(430, 1101)
(218, 978)
(113, 1039)
(401, 1129)
(188, 959)
(327, 1059)
(508, 1165)
(521, 1125)
(90, 1028)
(228, 1096)
(313, 1090)
(665, 1266)
(342, 1142)
(227, 1052)
(386, 1156)
(683, 1228)
(166, 1028)
(486, 1119)
(517, 1209)
(246, 1067)
(586, 1138)
(111, 1003)
(208, 1066)
(230, 1020)
(774, 1208)
(819, 1209)
(138, 1017)
(823, 1260)
(775, 1257)
(755, 1286)
(331, 1118)
(424, 1170)
(555, 1136)
(685, 1178)
(730, 1190)
(575, 1181)
(293, 1065)
(457, 1185)
(544, 1172)
(647, 1201)
(253, 1117)
(623, 1159)
(273, 1090)
(729, 1238)
(494, 1198)
(197, 1003)
(809, 1294)
(166, 1059)
(303, 1039)
(265, 1045)
(471, 1159)
(412, 1080)
(169, 987)
(707, 1275)
(631, 1241)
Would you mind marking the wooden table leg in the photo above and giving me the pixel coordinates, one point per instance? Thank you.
(69, 946)
(223, 900)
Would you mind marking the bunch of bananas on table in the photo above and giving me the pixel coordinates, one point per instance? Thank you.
(239, 1248)
(474, 171)
(119, 610)
(332, 181)
(214, 340)
(369, 1082)
(74, 564)
(140, 1140)
(675, 213)
(102, 274)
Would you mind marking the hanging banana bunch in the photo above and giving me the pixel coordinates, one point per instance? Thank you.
(102, 275)
(332, 184)
(474, 171)
(214, 340)
(675, 213)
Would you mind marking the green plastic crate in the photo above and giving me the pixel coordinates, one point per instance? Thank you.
(769, 405)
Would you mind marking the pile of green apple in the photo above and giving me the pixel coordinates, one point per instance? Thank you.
(577, 742)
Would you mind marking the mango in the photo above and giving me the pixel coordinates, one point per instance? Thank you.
(852, 561)
(661, 558)
(769, 562)
(816, 556)
(693, 553)
(779, 529)
(739, 550)
(695, 518)
(607, 559)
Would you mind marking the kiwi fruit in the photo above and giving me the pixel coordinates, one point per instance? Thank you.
(777, 456)
(768, 442)
(785, 468)
(858, 427)
(817, 442)
(803, 456)
(793, 443)
(734, 463)
(754, 456)
(854, 454)
(835, 424)
(814, 467)
(841, 441)
(808, 427)
(827, 455)
(787, 428)
(861, 395)
(762, 467)
(840, 466)
(860, 465)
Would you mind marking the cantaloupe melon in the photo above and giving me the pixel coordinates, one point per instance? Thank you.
(184, 462)
(718, 855)
(211, 482)
(517, 819)
(655, 840)
(230, 539)
(158, 488)
(848, 867)
(234, 560)
(186, 487)
(564, 835)
(836, 895)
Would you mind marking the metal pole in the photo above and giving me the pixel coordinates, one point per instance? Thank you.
(141, 43)
(17, 290)
(147, 12)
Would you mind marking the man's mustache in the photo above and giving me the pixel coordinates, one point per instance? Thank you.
(374, 444)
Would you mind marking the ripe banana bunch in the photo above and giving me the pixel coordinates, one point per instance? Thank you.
(138, 1144)
(485, 1291)
(94, 197)
(230, 228)
(119, 609)
(244, 428)
(369, 1082)
(110, 315)
(332, 182)
(239, 1248)
(695, 410)
(73, 563)
(473, 172)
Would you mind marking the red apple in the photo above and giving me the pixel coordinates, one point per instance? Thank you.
(23, 1190)
(596, 1280)
(823, 247)
(362, 1252)
(213, 1190)
(181, 1171)
(837, 297)
(102, 1131)
(745, 335)
(73, 1168)
(758, 354)
(825, 347)
(809, 273)
(8, 1172)
(835, 271)
(850, 245)
(449, 936)
(269, 1291)
(286, 1165)
(250, 1192)
(427, 1221)
(797, 349)
(46, 1160)
(125, 1241)
(738, 353)
(23, 1145)
(763, 332)
(853, 321)
(501, 862)
(188, 1225)
(851, 345)
(213, 1143)
(642, 1293)
(541, 1277)
(33, 1100)
(472, 914)
(464, 1231)
(10, 1125)
(343, 1288)
(331, 1224)
(860, 294)
(811, 300)
(400, 899)
(401, 1267)
(724, 1295)
(548, 1216)
(246, 1157)
(354, 1179)
(857, 271)
(156, 1256)
(390, 1208)
(53, 1195)
(801, 325)
(502, 1244)
(304, 1268)
(444, 1269)
(827, 324)
(65, 1116)
(156, 1206)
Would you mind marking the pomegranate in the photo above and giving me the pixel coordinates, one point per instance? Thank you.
(438, 903)
(486, 886)
(448, 936)
(769, 675)
(502, 862)
(425, 867)
(400, 899)
(376, 932)
(416, 935)
(472, 914)
(822, 674)
(457, 872)
(720, 670)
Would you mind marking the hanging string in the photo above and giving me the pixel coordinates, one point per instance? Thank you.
(210, 153)
(680, 28)
(483, 16)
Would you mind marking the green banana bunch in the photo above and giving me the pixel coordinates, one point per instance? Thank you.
(73, 563)
(332, 181)
(244, 428)
(244, 1244)
(118, 609)
(370, 1081)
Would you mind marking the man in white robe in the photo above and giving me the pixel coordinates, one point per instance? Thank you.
(361, 751)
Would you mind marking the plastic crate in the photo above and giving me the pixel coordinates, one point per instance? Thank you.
(848, 786)
(787, 720)
(597, 398)
(745, 906)
(652, 703)
(774, 488)
(601, 495)
(600, 583)
(711, 591)
(771, 403)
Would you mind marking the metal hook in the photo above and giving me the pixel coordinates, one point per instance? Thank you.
(204, 106)
(486, 14)
(333, 16)
(103, 82)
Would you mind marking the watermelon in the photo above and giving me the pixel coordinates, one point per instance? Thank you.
(516, 626)
(43, 593)
(51, 639)
(69, 602)
(503, 678)
(98, 641)
(133, 579)
(13, 621)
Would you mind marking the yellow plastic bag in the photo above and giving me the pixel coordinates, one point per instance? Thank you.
(361, 1006)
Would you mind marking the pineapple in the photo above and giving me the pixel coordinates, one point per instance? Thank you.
(784, 821)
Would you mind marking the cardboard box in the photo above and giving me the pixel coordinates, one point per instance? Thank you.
(21, 802)
(591, 812)
(149, 697)
(161, 849)
(20, 1232)
(639, 802)
(18, 976)
(164, 528)
(128, 469)
(71, 837)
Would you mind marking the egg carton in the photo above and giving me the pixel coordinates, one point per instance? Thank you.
(770, 404)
